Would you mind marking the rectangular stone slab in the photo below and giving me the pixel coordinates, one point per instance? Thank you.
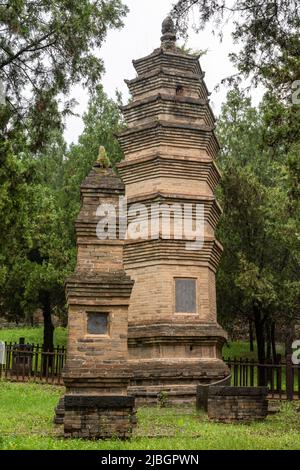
(73, 402)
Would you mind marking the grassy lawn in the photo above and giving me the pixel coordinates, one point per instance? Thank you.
(238, 349)
(26, 413)
(241, 349)
(33, 335)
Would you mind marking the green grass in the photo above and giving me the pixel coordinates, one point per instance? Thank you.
(238, 349)
(33, 335)
(26, 413)
(242, 349)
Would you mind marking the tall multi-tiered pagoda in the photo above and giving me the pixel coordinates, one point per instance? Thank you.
(170, 147)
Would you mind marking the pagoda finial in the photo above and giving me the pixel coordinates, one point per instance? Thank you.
(168, 38)
(103, 159)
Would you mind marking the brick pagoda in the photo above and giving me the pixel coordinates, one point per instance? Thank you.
(170, 148)
(96, 376)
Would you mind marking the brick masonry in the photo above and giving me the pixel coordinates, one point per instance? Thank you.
(237, 404)
(95, 417)
(202, 393)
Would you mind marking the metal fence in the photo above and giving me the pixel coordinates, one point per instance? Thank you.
(283, 379)
(24, 362)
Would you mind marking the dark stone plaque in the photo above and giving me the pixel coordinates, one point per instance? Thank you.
(185, 293)
(97, 323)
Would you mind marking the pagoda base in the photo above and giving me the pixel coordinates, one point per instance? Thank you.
(96, 404)
(171, 383)
(99, 417)
(169, 360)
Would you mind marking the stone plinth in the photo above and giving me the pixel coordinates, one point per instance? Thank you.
(99, 417)
(237, 404)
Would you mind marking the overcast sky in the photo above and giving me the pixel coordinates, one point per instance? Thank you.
(140, 35)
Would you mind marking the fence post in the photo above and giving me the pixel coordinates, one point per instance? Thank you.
(289, 378)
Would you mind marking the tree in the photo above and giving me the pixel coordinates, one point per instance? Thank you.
(260, 270)
(40, 198)
(45, 48)
(16, 174)
(35, 250)
(268, 32)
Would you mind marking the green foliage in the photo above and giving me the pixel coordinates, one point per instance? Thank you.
(40, 200)
(268, 32)
(36, 251)
(168, 428)
(259, 272)
(163, 399)
(45, 48)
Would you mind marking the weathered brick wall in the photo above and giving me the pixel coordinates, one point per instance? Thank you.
(237, 404)
(90, 349)
(99, 417)
(98, 286)
(146, 307)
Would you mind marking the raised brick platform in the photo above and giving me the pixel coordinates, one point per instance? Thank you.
(232, 404)
(99, 417)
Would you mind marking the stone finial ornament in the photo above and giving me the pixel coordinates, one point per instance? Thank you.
(103, 159)
(168, 32)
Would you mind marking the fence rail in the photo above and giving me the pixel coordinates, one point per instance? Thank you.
(25, 362)
(283, 379)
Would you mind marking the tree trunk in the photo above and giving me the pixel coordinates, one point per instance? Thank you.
(268, 338)
(251, 336)
(48, 343)
(273, 342)
(260, 339)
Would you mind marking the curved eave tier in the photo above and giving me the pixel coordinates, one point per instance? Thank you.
(212, 210)
(170, 134)
(138, 253)
(160, 166)
(164, 80)
(175, 59)
(183, 108)
(101, 180)
(99, 289)
(147, 332)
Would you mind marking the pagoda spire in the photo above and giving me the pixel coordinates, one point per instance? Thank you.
(168, 39)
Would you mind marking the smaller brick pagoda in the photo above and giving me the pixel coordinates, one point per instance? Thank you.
(96, 374)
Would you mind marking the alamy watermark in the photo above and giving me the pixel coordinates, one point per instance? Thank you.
(296, 93)
(139, 222)
(296, 352)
